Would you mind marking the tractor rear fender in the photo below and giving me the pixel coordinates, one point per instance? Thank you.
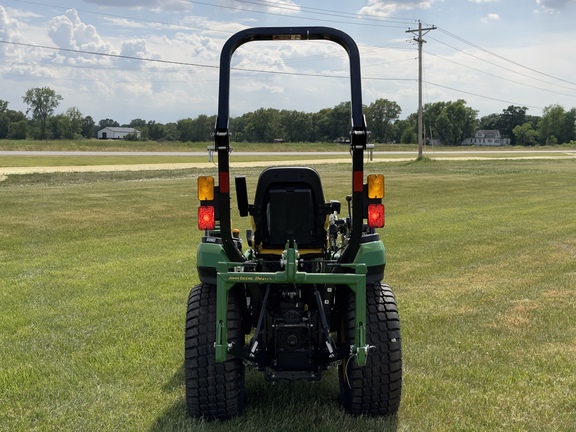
(210, 252)
(373, 255)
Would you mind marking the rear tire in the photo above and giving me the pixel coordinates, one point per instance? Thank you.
(213, 390)
(373, 389)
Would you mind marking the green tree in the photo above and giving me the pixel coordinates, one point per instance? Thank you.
(137, 123)
(263, 125)
(57, 127)
(237, 125)
(295, 125)
(196, 130)
(490, 122)
(405, 129)
(509, 119)
(321, 125)
(12, 123)
(339, 121)
(156, 131)
(41, 101)
(525, 135)
(409, 136)
(4, 125)
(450, 122)
(4, 119)
(570, 125)
(380, 116)
(170, 131)
(88, 127)
(18, 130)
(315, 120)
(184, 128)
(107, 123)
(556, 125)
(73, 125)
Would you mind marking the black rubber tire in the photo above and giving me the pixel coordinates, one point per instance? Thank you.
(373, 389)
(213, 390)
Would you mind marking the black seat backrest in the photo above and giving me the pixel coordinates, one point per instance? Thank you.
(289, 205)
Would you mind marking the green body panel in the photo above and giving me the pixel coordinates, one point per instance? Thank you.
(210, 254)
(371, 253)
(227, 277)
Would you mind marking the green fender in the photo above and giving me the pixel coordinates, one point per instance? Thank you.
(373, 255)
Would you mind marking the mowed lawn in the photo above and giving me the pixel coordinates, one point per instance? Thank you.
(95, 270)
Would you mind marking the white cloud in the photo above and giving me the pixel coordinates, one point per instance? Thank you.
(158, 5)
(136, 48)
(491, 18)
(68, 31)
(284, 7)
(383, 8)
(552, 6)
(196, 46)
(15, 58)
(209, 27)
(8, 26)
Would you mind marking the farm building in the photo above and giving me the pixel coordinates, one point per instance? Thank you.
(117, 132)
(487, 138)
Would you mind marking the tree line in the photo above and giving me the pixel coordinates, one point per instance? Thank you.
(446, 122)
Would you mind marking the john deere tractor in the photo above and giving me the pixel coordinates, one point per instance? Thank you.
(306, 292)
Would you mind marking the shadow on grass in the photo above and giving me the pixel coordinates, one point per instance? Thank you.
(283, 406)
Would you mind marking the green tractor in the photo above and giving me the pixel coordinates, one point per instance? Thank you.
(307, 292)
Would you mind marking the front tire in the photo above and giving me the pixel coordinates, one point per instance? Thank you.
(373, 389)
(213, 390)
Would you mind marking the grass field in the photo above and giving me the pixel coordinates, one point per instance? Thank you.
(122, 145)
(96, 267)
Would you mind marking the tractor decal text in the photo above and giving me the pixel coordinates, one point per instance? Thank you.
(250, 278)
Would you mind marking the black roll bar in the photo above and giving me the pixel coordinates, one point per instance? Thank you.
(358, 135)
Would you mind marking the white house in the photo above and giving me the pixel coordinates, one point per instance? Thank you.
(117, 132)
(487, 138)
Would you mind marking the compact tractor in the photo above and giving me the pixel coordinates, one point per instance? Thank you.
(307, 292)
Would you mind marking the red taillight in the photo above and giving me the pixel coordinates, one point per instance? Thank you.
(206, 219)
(375, 215)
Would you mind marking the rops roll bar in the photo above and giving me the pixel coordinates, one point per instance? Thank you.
(358, 138)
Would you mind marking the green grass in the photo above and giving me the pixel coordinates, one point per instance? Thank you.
(56, 161)
(96, 267)
(121, 145)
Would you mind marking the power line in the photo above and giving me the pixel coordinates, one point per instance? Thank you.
(400, 25)
(496, 76)
(506, 59)
(119, 56)
(200, 65)
(481, 96)
(277, 6)
(182, 26)
(324, 12)
(502, 67)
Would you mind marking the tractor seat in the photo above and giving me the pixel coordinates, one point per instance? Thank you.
(289, 206)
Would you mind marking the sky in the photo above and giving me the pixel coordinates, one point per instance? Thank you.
(158, 60)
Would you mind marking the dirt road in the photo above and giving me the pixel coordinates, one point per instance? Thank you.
(4, 171)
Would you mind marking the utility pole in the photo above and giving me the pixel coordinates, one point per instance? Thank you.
(420, 42)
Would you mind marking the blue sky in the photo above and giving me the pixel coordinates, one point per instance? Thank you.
(157, 59)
